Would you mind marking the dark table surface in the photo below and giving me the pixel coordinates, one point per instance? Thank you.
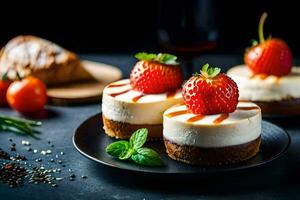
(279, 179)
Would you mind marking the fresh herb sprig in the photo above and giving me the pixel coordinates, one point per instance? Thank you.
(19, 126)
(134, 150)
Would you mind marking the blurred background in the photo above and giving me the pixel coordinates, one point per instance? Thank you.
(188, 27)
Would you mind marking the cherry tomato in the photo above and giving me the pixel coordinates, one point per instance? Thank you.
(27, 96)
(4, 84)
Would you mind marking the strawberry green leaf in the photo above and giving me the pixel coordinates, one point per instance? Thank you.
(168, 59)
(210, 72)
(205, 67)
(254, 42)
(145, 56)
(163, 58)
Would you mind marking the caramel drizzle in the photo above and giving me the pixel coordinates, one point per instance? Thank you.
(261, 76)
(218, 120)
(252, 76)
(176, 113)
(244, 100)
(135, 99)
(117, 85)
(171, 94)
(277, 80)
(195, 118)
(118, 93)
(221, 118)
(264, 76)
(248, 108)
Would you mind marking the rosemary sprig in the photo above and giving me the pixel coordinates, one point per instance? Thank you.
(19, 126)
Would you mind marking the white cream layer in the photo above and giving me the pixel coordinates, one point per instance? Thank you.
(269, 89)
(147, 110)
(240, 127)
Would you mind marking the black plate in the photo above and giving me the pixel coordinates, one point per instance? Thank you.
(90, 140)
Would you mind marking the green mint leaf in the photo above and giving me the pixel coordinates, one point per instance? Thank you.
(118, 148)
(145, 56)
(147, 157)
(168, 59)
(126, 154)
(138, 138)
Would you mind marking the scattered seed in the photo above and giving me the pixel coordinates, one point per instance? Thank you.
(12, 174)
(72, 175)
(4, 155)
(22, 171)
(19, 157)
(25, 143)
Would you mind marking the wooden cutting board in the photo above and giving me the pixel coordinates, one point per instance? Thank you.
(85, 92)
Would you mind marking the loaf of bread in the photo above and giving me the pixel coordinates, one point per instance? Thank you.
(32, 56)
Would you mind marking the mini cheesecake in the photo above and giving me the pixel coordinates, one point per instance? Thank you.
(275, 95)
(125, 110)
(212, 139)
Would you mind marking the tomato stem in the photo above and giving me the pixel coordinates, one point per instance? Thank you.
(261, 27)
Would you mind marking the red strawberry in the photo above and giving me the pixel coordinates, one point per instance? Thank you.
(271, 56)
(210, 92)
(156, 73)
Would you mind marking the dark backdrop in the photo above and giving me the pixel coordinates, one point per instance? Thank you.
(129, 26)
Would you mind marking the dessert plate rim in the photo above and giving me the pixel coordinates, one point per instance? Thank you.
(121, 165)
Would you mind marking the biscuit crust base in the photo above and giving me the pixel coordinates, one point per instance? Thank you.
(122, 130)
(212, 156)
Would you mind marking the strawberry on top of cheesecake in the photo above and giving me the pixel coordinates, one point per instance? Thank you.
(268, 77)
(139, 102)
(212, 127)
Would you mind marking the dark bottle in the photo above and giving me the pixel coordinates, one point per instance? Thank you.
(187, 28)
